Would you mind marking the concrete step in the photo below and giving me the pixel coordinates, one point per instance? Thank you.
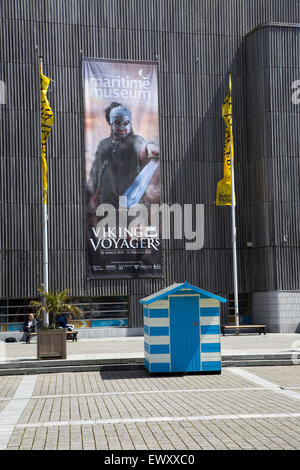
(85, 365)
(265, 359)
(64, 365)
(247, 356)
(68, 369)
(259, 362)
(121, 366)
(68, 363)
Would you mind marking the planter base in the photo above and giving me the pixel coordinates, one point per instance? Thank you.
(51, 344)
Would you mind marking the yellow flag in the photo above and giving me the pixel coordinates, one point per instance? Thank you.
(46, 126)
(224, 186)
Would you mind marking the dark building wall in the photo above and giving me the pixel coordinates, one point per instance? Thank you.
(272, 66)
(196, 44)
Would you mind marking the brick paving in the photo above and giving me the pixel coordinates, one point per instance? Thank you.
(130, 410)
(8, 386)
(282, 376)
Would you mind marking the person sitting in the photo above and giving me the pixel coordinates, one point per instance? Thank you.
(69, 325)
(30, 326)
(62, 321)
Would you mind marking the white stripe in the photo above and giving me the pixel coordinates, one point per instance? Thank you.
(159, 304)
(142, 392)
(156, 321)
(145, 392)
(158, 358)
(158, 419)
(213, 356)
(157, 339)
(210, 320)
(13, 411)
(209, 303)
(264, 383)
(209, 339)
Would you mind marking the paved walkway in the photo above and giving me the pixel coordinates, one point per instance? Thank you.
(243, 408)
(254, 408)
(133, 347)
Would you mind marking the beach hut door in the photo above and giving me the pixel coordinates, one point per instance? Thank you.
(184, 334)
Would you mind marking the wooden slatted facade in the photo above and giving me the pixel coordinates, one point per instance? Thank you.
(196, 44)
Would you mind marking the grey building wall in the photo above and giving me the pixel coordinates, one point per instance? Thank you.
(272, 66)
(278, 310)
(196, 45)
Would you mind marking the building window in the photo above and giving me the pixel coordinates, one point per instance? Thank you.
(14, 310)
(102, 307)
(244, 308)
(97, 311)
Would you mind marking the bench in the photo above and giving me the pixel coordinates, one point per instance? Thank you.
(30, 337)
(69, 335)
(260, 328)
(72, 335)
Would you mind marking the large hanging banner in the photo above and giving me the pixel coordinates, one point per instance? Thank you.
(122, 168)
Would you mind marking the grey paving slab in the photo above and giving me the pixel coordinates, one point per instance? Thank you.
(9, 385)
(288, 377)
(133, 347)
(130, 410)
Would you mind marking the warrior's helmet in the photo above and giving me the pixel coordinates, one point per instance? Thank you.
(120, 121)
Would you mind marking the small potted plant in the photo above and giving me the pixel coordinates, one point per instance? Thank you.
(51, 340)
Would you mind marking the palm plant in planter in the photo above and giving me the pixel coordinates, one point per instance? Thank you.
(51, 340)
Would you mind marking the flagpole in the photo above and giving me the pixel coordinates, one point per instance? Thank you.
(45, 240)
(234, 257)
(45, 258)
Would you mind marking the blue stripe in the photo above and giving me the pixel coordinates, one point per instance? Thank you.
(113, 322)
(158, 313)
(146, 312)
(160, 367)
(159, 331)
(159, 349)
(185, 292)
(15, 327)
(147, 347)
(211, 365)
(146, 329)
(210, 329)
(209, 311)
(146, 364)
(210, 347)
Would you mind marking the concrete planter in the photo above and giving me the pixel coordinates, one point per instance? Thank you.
(51, 344)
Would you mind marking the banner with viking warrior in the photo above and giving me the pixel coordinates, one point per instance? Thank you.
(122, 168)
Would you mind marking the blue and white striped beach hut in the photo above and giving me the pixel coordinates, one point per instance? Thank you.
(182, 330)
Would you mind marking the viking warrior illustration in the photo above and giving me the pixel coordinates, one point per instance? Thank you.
(121, 165)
